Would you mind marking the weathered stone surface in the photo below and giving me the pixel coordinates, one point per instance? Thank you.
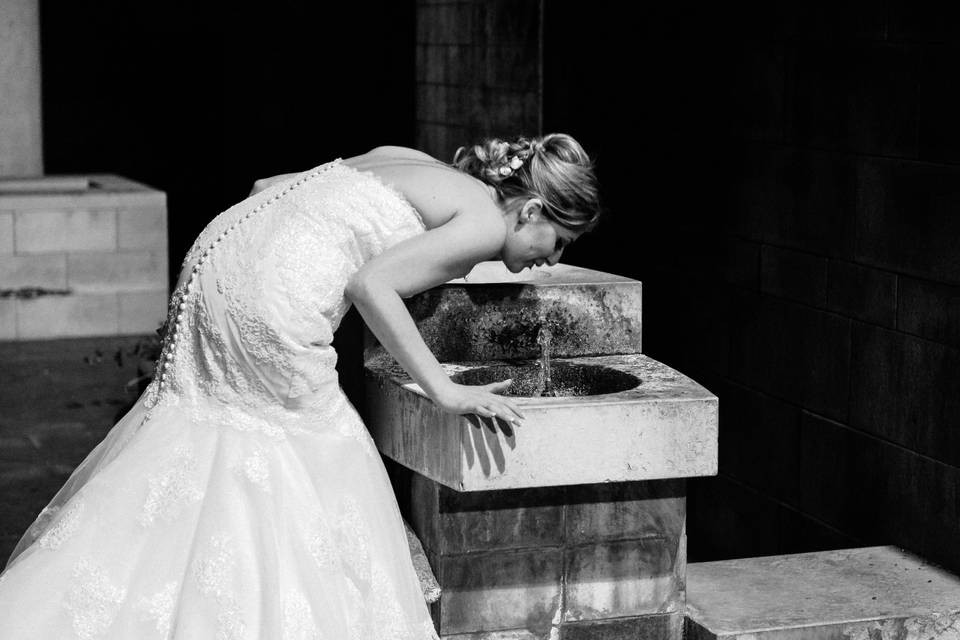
(881, 593)
(916, 200)
(624, 578)
(500, 590)
(929, 309)
(625, 510)
(862, 292)
(493, 314)
(664, 428)
(905, 390)
(656, 627)
(509, 519)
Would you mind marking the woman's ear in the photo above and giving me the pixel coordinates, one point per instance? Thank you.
(531, 210)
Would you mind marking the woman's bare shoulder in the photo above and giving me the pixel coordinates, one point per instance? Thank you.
(437, 190)
(394, 151)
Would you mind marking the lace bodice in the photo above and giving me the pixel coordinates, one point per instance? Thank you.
(251, 326)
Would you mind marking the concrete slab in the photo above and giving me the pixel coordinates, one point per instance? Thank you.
(666, 427)
(871, 593)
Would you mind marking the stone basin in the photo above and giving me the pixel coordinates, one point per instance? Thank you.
(530, 381)
(663, 427)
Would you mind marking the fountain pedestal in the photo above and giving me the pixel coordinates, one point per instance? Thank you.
(575, 522)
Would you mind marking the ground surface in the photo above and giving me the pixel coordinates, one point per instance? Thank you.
(58, 398)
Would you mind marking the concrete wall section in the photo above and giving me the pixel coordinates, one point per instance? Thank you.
(478, 72)
(792, 169)
(21, 152)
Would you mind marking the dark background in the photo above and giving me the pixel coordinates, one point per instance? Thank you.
(783, 177)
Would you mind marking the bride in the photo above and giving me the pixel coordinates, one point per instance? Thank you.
(242, 497)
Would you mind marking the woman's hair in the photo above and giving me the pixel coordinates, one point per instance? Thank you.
(553, 168)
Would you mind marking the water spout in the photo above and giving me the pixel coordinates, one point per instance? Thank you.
(543, 339)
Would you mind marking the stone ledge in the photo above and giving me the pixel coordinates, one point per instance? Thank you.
(880, 593)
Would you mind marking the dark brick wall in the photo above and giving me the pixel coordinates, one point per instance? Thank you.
(478, 72)
(785, 179)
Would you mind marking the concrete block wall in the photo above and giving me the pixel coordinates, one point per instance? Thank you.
(478, 72)
(832, 274)
(581, 561)
(86, 263)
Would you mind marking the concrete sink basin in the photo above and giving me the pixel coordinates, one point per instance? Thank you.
(644, 421)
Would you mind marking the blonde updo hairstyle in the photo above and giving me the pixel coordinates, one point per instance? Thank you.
(553, 168)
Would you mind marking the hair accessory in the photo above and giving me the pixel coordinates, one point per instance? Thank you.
(509, 167)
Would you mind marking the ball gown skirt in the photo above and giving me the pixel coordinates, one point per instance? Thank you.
(241, 497)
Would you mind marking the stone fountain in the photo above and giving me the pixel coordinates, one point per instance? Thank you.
(572, 524)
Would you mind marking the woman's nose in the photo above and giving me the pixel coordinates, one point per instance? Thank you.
(555, 258)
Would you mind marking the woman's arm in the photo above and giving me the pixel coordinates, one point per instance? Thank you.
(412, 266)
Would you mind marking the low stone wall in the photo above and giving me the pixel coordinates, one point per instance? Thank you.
(90, 262)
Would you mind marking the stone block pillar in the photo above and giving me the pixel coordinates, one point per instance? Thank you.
(21, 150)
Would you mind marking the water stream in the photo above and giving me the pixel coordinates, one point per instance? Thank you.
(545, 385)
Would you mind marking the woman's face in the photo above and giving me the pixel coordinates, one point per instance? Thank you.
(533, 239)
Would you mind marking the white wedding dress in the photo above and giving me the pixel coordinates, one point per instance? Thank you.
(242, 497)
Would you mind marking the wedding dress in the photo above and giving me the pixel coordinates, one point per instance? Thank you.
(242, 497)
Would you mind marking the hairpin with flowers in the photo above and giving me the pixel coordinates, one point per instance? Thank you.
(506, 169)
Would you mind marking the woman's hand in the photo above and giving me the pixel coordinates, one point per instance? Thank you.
(481, 400)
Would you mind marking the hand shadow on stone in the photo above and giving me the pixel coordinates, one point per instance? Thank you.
(487, 444)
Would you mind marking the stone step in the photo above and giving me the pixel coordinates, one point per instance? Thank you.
(871, 593)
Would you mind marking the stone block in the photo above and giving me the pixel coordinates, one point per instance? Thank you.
(141, 312)
(859, 98)
(114, 272)
(653, 627)
(8, 319)
(905, 389)
(512, 22)
(57, 316)
(625, 578)
(836, 456)
(794, 275)
(881, 593)
(43, 231)
(761, 441)
(142, 228)
(6, 232)
(42, 270)
(509, 519)
(663, 428)
(625, 510)
(891, 493)
(919, 201)
(862, 292)
(446, 24)
(508, 634)
(492, 314)
(500, 590)
(929, 309)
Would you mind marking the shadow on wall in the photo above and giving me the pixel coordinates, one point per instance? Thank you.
(784, 182)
